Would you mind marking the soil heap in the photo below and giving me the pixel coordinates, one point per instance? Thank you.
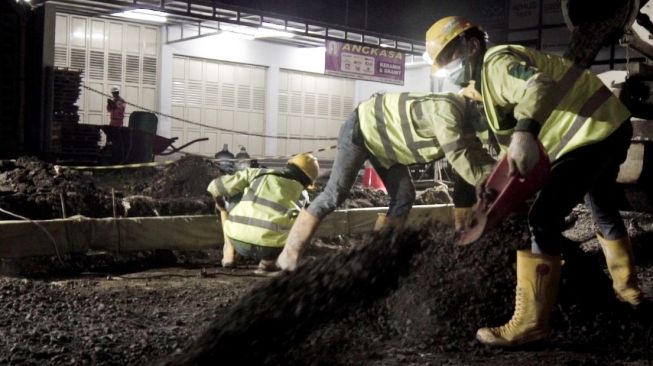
(32, 188)
(415, 297)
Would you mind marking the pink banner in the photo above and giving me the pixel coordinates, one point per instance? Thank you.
(364, 62)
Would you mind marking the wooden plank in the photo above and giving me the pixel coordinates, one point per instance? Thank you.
(81, 234)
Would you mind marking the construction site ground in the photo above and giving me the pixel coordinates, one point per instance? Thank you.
(403, 298)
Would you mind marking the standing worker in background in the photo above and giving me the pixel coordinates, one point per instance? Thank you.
(393, 131)
(528, 96)
(116, 107)
(265, 205)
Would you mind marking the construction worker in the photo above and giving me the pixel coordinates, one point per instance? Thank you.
(528, 96)
(266, 205)
(116, 107)
(393, 131)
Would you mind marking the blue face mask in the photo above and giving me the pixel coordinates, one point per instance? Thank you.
(455, 71)
(459, 72)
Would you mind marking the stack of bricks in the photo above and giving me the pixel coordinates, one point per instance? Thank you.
(71, 140)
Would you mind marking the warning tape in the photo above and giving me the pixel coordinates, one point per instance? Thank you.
(120, 166)
(167, 162)
(213, 127)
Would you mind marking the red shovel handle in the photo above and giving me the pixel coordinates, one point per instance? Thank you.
(512, 191)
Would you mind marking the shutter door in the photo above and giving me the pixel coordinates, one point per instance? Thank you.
(110, 53)
(218, 94)
(312, 105)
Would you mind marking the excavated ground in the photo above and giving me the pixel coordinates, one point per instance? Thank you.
(411, 298)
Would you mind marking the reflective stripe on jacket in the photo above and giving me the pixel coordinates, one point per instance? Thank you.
(409, 128)
(267, 209)
(569, 107)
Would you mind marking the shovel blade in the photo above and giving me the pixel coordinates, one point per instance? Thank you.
(473, 230)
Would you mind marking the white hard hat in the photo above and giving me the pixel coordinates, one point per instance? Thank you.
(115, 89)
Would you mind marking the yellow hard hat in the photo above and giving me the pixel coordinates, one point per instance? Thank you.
(441, 34)
(307, 163)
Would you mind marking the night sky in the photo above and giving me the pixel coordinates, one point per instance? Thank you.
(403, 18)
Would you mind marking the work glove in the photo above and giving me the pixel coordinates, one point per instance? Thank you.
(523, 153)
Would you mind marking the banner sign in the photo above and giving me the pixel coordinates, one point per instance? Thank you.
(364, 62)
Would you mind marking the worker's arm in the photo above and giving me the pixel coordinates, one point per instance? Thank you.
(462, 148)
(121, 105)
(231, 185)
(519, 83)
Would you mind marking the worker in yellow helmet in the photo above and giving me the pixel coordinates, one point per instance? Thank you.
(392, 131)
(264, 203)
(528, 96)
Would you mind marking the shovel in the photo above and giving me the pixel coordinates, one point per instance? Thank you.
(512, 192)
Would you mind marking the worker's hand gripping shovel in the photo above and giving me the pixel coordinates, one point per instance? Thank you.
(505, 194)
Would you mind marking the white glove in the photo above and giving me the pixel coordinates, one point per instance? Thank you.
(523, 153)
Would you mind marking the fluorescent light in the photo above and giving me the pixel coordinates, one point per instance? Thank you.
(144, 14)
(272, 33)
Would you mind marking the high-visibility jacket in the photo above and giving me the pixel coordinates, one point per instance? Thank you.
(409, 128)
(269, 205)
(566, 106)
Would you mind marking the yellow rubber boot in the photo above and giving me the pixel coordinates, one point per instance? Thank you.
(228, 251)
(383, 221)
(538, 277)
(619, 257)
(300, 234)
(461, 217)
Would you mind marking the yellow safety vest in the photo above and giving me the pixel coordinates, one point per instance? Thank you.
(410, 128)
(569, 105)
(267, 209)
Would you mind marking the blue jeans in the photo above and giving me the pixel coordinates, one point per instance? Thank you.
(256, 252)
(588, 173)
(350, 157)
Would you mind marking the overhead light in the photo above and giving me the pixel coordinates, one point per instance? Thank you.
(272, 33)
(145, 15)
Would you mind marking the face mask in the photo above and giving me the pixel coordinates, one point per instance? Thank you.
(459, 71)
(455, 71)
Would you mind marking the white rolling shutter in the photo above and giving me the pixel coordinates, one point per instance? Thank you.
(218, 94)
(109, 53)
(312, 105)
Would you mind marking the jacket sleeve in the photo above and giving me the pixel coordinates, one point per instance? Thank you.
(462, 148)
(518, 83)
(231, 185)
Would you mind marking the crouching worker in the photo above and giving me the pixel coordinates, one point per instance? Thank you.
(263, 204)
(393, 131)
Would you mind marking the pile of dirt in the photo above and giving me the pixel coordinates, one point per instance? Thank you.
(32, 188)
(187, 177)
(356, 308)
(360, 197)
(35, 189)
(434, 196)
